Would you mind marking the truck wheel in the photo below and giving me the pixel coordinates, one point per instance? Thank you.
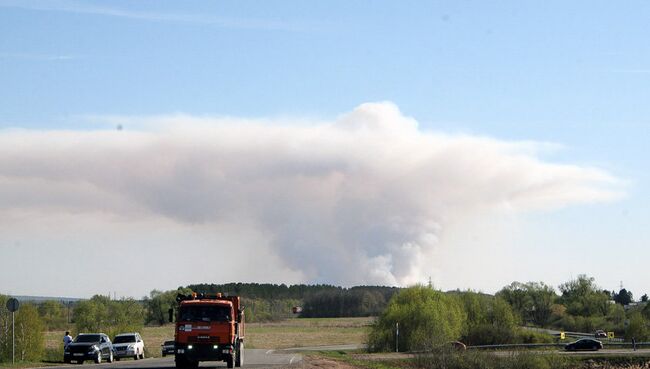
(239, 361)
(98, 359)
(110, 357)
(230, 361)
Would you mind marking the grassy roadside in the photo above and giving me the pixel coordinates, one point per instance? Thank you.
(485, 360)
(351, 358)
(271, 335)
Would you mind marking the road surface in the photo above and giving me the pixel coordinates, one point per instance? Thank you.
(252, 359)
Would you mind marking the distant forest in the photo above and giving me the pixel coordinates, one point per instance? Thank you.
(319, 300)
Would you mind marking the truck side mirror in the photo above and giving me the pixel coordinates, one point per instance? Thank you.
(171, 314)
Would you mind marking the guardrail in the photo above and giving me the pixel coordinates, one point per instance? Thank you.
(553, 345)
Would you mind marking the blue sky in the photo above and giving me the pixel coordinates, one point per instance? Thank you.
(570, 73)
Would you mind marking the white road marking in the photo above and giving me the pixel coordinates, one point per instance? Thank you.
(291, 361)
(268, 352)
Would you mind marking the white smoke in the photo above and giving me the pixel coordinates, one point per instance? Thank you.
(361, 200)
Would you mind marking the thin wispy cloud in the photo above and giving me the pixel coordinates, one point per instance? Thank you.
(200, 19)
(37, 57)
(633, 71)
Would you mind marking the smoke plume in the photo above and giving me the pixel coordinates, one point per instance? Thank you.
(363, 199)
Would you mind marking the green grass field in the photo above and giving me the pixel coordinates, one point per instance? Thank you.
(272, 335)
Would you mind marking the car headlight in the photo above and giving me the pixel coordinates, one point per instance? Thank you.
(130, 347)
(93, 348)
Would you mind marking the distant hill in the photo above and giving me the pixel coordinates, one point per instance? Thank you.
(38, 299)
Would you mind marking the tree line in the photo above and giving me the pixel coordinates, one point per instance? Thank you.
(429, 318)
(475, 318)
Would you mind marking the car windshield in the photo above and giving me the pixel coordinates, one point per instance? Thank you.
(87, 338)
(124, 339)
(205, 313)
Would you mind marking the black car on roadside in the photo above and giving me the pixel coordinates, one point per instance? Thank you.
(167, 348)
(584, 344)
(89, 346)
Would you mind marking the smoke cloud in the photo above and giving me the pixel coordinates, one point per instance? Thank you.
(360, 200)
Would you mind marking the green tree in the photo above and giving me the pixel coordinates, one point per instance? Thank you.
(616, 317)
(100, 314)
(426, 318)
(531, 301)
(646, 311)
(30, 344)
(53, 314)
(637, 328)
(623, 297)
(28, 333)
(92, 315)
(582, 297)
(5, 330)
(127, 316)
(159, 302)
(490, 320)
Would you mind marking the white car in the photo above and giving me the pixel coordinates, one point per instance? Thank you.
(128, 345)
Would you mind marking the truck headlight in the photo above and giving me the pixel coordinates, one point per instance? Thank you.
(189, 347)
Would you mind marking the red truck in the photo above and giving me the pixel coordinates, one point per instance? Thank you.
(208, 328)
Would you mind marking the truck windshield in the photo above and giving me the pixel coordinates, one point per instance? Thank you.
(205, 313)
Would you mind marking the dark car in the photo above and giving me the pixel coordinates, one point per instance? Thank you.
(167, 348)
(89, 346)
(584, 344)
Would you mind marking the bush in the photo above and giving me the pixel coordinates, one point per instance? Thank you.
(490, 320)
(426, 318)
(447, 358)
(528, 336)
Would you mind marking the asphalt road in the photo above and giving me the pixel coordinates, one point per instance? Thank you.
(252, 359)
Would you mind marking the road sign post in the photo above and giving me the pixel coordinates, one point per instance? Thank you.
(12, 306)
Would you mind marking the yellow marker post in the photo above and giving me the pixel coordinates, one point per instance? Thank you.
(562, 335)
(610, 335)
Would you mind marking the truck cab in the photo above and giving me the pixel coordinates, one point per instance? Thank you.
(209, 328)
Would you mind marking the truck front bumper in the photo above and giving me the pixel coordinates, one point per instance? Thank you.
(204, 351)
